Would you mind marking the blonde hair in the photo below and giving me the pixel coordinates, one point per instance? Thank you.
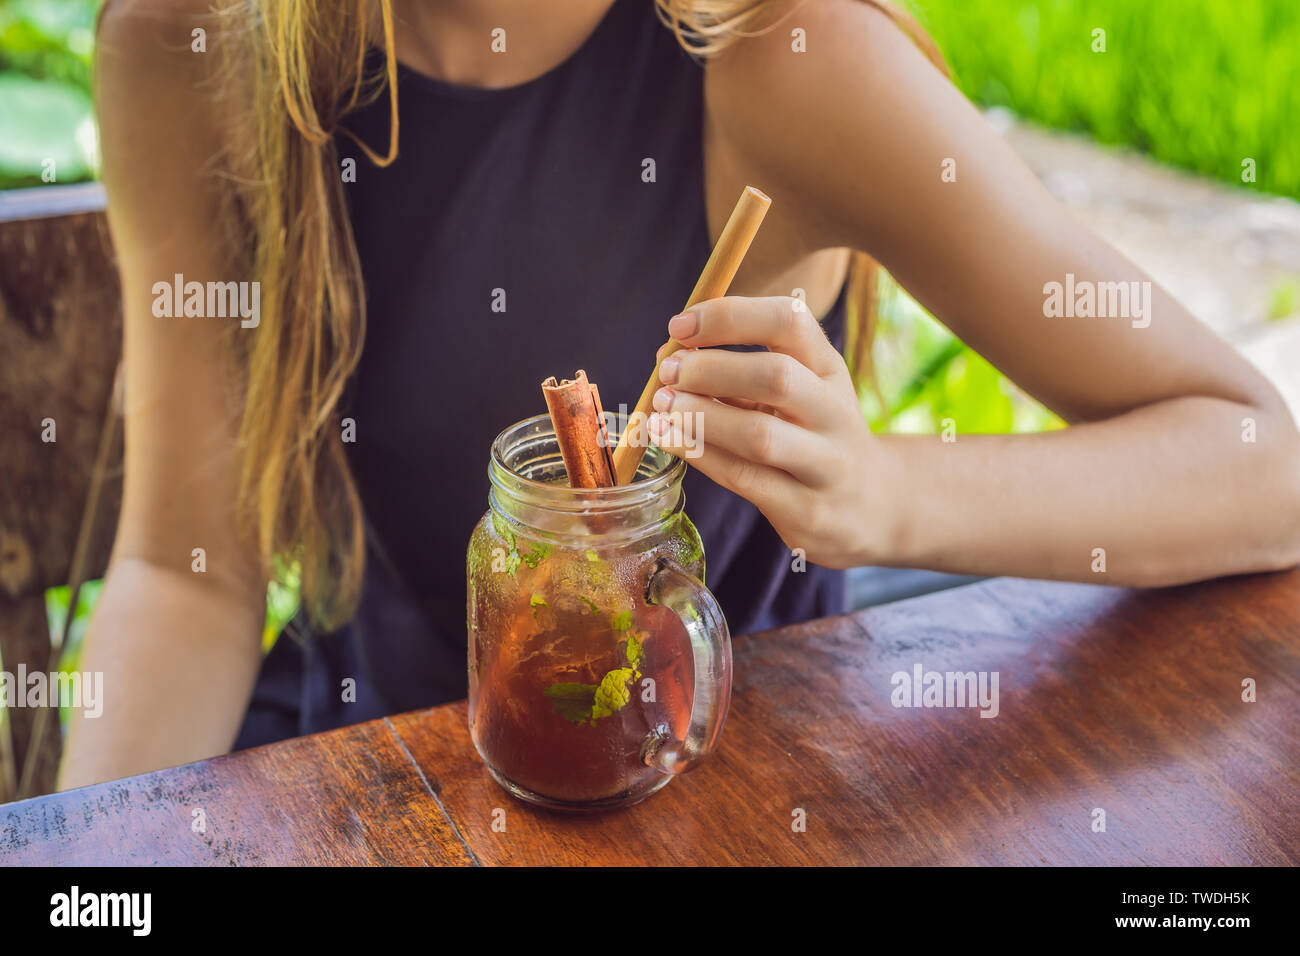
(300, 72)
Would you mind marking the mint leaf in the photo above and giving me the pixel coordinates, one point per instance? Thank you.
(635, 651)
(621, 621)
(537, 555)
(612, 694)
(580, 703)
(666, 518)
(512, 555)
(573, 702)
(696, 551)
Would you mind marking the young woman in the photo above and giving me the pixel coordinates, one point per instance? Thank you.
(446, 201)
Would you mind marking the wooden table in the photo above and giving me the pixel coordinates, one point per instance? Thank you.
(1123, 701)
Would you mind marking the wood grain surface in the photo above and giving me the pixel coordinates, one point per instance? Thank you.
(349, 797)
(1120, 701)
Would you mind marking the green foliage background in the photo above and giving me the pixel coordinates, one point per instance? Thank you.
(45, 106)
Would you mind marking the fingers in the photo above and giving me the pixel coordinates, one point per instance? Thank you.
(746, 403)
(771, 379)
(779, 323)
(755, 436)
(770, 489)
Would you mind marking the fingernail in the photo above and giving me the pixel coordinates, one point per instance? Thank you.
(658, 424)
(683, 326)
(663, 400)
(668, 369)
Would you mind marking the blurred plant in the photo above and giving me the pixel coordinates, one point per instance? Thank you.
(46, 120)
(1284, 299)
(56, 611)
(281, 600)
(927, 375)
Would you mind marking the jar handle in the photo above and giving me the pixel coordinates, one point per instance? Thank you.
(687, 597)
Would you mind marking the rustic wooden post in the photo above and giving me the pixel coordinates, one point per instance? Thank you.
(60, 342)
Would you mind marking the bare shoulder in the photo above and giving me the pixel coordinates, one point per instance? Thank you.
(807, 26)
(835, 101)
(160, 103)
(811, 49)
(813, 66)
(158, 34)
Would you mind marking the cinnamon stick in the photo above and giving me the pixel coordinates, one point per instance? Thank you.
(580, 430)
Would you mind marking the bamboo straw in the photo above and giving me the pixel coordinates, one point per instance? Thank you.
(714, 281)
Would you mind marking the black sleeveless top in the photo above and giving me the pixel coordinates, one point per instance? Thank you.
(534, 199)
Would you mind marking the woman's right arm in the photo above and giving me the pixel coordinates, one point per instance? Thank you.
(179, 648)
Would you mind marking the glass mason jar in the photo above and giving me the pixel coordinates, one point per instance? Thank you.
(599, 664)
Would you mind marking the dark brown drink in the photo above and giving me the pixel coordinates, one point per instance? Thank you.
(568, 696)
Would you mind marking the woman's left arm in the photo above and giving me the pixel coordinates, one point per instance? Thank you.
(1182, 461)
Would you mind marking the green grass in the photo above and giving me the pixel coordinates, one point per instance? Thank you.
(1202, 84)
